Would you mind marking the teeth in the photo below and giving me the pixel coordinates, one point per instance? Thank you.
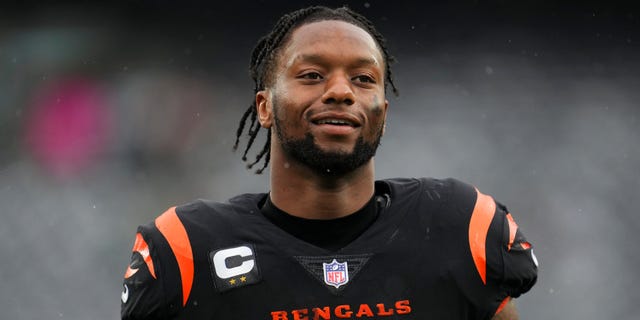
(334, 122)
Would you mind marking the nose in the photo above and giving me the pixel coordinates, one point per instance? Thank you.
(339, 90)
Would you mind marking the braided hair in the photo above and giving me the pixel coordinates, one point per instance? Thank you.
(264, 59)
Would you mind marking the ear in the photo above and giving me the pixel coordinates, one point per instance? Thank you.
(264, 108)
(386, 105)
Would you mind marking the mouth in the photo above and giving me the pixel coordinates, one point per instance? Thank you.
(336, 122)
(336, 119)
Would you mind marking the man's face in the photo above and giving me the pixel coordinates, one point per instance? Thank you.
(326, 101)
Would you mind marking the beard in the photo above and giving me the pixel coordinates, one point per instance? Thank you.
(326, 163)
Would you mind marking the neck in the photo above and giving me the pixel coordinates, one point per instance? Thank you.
(301, 192)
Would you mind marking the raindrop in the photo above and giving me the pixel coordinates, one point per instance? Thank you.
(287, 165)
(488, 70)
(367, 5)
(94, 206)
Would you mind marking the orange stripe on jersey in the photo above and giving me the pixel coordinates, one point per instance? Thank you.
(481, 217)
(503, 304)
(513, 227)
(141, 247)
(173, 230)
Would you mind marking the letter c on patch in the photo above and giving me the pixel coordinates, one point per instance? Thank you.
(220, 262)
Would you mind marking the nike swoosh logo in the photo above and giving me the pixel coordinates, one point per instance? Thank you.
(125, 294)
(130, 272)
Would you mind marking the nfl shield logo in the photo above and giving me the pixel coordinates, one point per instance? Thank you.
(335, 273)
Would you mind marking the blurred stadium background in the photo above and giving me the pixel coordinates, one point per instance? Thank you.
(109, 114)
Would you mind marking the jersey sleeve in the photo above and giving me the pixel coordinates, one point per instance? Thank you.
(499, 263)
(502, 256)
(519, 264)
(142, 296)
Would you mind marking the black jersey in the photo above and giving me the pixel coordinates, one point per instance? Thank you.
(439, 249)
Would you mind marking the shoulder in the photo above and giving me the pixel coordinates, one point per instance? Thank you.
(486, 252)
(180, 229)
(453, 196)
(208, 212)
(167, 253)
(415, 186)
(179, 226)
(446, 185)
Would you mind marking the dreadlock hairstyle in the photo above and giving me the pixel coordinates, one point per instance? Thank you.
(264, 60)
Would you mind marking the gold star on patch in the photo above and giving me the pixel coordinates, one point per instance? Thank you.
(243, 279)
(232, 281)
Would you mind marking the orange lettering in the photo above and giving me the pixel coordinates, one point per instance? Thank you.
(403, 307)
(300, 314)
(382, 311)
(343, 311)
(324, 313)
(364, 311)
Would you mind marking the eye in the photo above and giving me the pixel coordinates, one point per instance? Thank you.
(311, 76)
(364, 79)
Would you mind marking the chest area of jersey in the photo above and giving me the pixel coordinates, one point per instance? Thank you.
(280, 284)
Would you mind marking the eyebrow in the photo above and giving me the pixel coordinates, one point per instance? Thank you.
(319, 59)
